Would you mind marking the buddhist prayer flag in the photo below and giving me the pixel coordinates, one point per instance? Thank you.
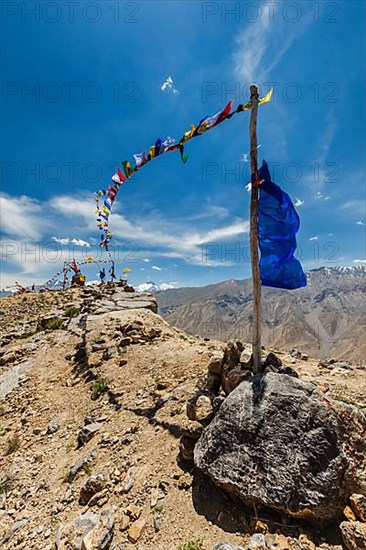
(278, 223)
(159, 147)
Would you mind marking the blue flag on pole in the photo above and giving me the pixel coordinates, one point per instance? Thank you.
(278, 223)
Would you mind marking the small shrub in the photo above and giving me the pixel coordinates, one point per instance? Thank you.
(53, 324)
(25, 335)
(158, 509)
(72, 311)
(5, 486)
(195, 544)
(98, 387)
(13, 445)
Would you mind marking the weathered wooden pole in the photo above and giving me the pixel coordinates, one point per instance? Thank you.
(254, 253)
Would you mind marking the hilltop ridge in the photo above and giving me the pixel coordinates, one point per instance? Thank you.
(93, 405)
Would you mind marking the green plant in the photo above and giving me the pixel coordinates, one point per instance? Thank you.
(53, 324)
(194, 544)
(5, 486)
(25, 335)
(158, 508)
(70, 447)
(72, 311)
(98, 387)
(13, 445)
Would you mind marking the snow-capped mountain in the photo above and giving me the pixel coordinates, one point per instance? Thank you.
(152, 287)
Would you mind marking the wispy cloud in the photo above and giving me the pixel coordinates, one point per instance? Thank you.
(358, 261)
(354, 205)
(298, 202)
(260, 46)
(21, 217)
(157, 268)
(314, 238)
(168, 86)
(33, 222)
(360, 222)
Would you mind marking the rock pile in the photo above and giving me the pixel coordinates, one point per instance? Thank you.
(274, 440)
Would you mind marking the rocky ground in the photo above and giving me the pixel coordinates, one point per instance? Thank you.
(94, 388)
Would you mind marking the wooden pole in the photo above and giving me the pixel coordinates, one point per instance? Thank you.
(254, 253)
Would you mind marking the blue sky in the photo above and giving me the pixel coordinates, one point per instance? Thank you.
(97, 70)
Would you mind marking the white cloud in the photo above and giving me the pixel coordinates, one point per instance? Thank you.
(315, 238)
(262, 45)
(146, 260)
(157, 268)
(33, 223)
(65, 241)
(298, 202)
(21, 217)
(359, 261)
(355, 205)
(248, 187)
(168, 86)
(360, 222)
(80, 242)
(320, 196)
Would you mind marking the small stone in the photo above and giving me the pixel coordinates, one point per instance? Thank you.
(124, 522)
(353, 535)
(203, 409)
(124, 342)
(52, 427)
(111, 352)
(93, 485)
(79, 466)
(281, 542)
(186, 447)
(257, 542)
(128, 483)
(162, 384)
(87, 432)
(358, 505)
(349, 514)
(136, 530)
(273, 360)
(185, 482)
(133, 511)
(215, 363)
(259, 526)
(157, 523)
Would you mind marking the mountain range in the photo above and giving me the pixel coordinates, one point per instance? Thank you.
(325, 319)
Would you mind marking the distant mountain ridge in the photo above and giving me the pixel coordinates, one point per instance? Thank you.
(325, 319)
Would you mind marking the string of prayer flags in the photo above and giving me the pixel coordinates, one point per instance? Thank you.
(169, 144)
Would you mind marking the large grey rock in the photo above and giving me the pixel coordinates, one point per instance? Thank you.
(12, 378)
(278, 441)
